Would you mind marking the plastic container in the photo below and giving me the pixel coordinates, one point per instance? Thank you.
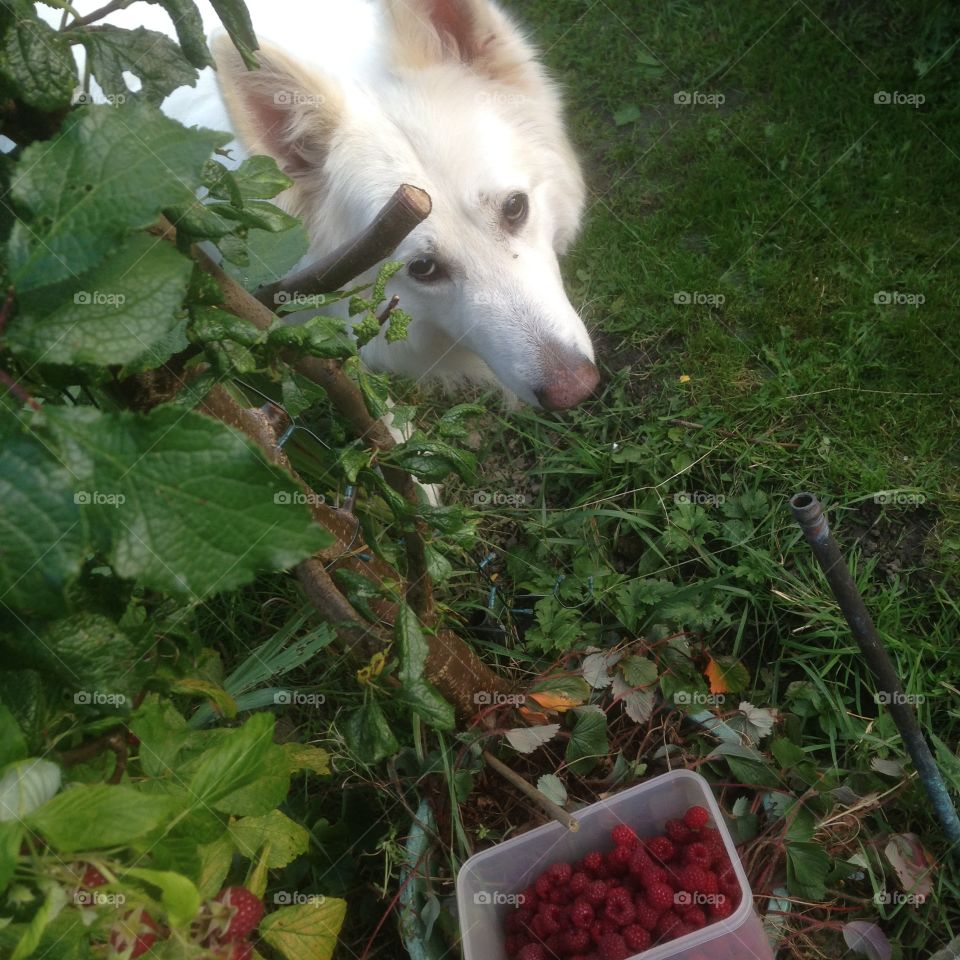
(489, 882)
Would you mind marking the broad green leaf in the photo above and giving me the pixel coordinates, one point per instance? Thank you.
(54, 902)
(37, 62)
(114, 313)
(258, 215)
(284, 838)
(43, 533)
(305, 756)
(588, 740)
(13, 745)
(368, 734)
(215, 860)
(235, 762)
(109, 171)
(151, 56)
(26, 786)
(11, 832)
(307, 931)
(181, 899)
(413, 650)
(162, 733)
(24, 694)
(638, 671)
(190, 506)
(94, 816)
(269, 790)
(807, 869)
(256, 178)
(190, 32)
(234, 16)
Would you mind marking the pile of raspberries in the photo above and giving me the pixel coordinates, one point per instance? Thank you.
(612, 906)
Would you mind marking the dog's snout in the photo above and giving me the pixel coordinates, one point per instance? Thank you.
(568, 383)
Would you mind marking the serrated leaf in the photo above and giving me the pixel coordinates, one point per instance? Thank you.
(757, 721)
(639, 671)
(807, 869)
(306, 931)
(588, 740)
(527, 739)
(368, 734)
(638, 704)
(37, 62)
(596, 669)
(190, 32)
(413, 650)
(284, 839)
(551, 786)
(147, 54)
(108, 172)
(867, 939)
(174, 529)
(95, 816)
(112, 314)
(26, 786)
(181, 899)
(256, 178)
(43, 535)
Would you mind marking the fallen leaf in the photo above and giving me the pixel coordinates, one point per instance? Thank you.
(868, 939)
(527, 739)
(912, 863)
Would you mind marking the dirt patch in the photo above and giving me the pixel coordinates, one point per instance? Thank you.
(900, 538)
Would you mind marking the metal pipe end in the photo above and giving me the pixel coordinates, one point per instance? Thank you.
(807, 511)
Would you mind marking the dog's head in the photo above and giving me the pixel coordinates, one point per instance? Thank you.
(458, 105)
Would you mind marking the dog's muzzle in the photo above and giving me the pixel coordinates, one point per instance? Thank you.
(568, 382)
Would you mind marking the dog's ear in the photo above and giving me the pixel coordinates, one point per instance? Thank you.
(283, 109)
(475, 32)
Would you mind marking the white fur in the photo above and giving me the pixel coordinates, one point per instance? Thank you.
(380, 94)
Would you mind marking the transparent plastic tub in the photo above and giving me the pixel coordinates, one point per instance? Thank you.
(489, 882)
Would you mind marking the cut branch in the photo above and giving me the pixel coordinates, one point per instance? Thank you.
(408, 207)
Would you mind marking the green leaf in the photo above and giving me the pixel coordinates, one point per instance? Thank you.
(180, 897)
(234, 16)
(13, 745)
(413, 650)
(258, 214)
(236, 761)
(267, 257)
(216, 858)
(54, 902)
(37, 62)
(112, 314)
(307, 931)
(191, 508)
(807, 869)
(629, 113)
(147, 54)
(588, 740)
(285, 839)
(11, 833)
(43, 534)
(109, 171)
(162, 733)
(24, 694)
(638, 671)
(368, 734)
(26, 786)
(190, 32)
(94, 816)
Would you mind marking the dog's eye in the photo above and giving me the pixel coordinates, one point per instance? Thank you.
(515, 209)
(425, 269)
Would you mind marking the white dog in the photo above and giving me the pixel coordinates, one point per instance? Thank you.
(354, 98)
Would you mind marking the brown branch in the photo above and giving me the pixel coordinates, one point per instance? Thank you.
(408, 207)
(96, 15)
(558, 813)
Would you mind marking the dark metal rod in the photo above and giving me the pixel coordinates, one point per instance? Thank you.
(808, 513)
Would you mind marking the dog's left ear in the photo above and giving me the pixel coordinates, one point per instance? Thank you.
(475, 32)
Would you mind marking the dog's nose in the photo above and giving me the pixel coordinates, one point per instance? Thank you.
(568, 383)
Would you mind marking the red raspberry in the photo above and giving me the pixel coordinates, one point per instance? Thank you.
(678, 832)
(624, 836)
(660, 896)
(575, 941)
(237, 913)
(720, 907)
(596, 892)
(698, 853)
(561, 896)
(543, 886)
(532, 951)
(560, 873)
(92, 877)
(660, 848)
(650, 875)
(578, 883)
(619, 909)
(727, 881)
(513, 944)
(134, 933)
(712, 839)
(592, 862)
(683, 929)
(695, 917)
(696, 818)
(646, 916)
(598, 930)
(613, 947)
(553, 944)
(529, 899)
(667, 926)
(618, 860)
(581, 914)
(637, 938)
(693, 878)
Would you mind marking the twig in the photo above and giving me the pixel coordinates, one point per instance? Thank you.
(19, 392)
(732, 435)
(402, 212)
(558, 813)
(388, 309)
(104, 11)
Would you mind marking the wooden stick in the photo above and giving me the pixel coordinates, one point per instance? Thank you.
(408, 207)
(558, 813)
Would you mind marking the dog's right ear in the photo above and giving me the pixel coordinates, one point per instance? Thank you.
(284, 109)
